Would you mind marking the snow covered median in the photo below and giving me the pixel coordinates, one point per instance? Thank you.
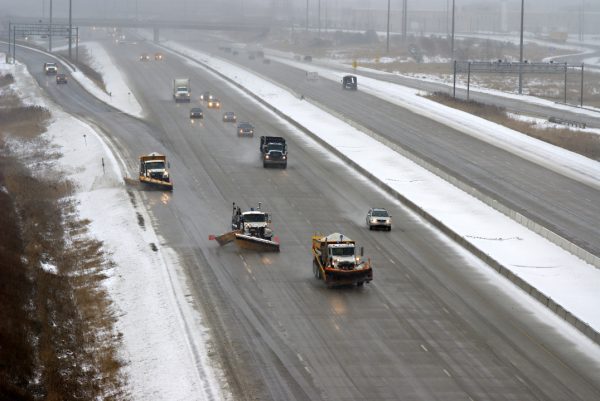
(164, 339)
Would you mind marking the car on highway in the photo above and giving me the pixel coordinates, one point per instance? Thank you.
(379, 218)
(245, 129)
(61, 79)
(308, 58)
(50, 68)
(159, 57)
(349, 82)
(196, 112)
(206, 96)
(229, 117)
(214, 103)
(144, 57)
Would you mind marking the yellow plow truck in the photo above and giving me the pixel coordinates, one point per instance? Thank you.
(154, 172)
(336, 262)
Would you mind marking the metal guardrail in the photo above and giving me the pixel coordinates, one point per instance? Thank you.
(564, 121)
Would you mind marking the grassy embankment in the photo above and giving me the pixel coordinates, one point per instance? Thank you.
(57, 337)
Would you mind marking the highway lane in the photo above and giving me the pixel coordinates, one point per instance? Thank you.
(429, 327)
(565, 206)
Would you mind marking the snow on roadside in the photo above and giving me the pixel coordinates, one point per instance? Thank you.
(164, 339)
(566, 279)
(119, 94)
(549, 156)
(544, 123)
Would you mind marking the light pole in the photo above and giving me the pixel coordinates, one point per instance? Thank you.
(404, 20)
(50, 33)
(319, 16)
(452, 39)
(306, 15)
(70, 28)
(521, 49)
(387, 42)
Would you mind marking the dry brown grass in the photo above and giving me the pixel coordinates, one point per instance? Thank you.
(57, 340)
(584, 143)
(6, 80)
(28, 121)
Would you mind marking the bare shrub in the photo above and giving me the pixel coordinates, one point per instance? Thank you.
(6, 80)
(584, 143)
(57, 336)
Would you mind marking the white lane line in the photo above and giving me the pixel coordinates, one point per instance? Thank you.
(447, 373)
(392, 261)
(424, 348)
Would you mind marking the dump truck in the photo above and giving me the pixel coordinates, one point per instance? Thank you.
(249, 230)
(182, 91)
(154, 172)
(274, 151)
(336, 261)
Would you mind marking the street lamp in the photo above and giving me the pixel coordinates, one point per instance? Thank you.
(521, 49)
(387, 42)
(452, 40)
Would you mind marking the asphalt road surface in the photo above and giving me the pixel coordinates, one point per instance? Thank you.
(429, 327)
(566, 206)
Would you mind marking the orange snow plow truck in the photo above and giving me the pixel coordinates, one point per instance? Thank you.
(336, 262)
(154, 171)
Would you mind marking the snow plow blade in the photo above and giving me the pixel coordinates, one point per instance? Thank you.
(168, 185)
(256, 244)
(334, 278)
(225, 238)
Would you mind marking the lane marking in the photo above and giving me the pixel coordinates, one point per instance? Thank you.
(392, 261)
(447, 373)
(424, 348)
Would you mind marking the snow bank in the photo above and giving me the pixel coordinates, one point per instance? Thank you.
(119, 94)
(569, 281)
(549, 156)
(164, 339)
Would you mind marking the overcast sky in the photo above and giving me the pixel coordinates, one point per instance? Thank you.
(35, 8)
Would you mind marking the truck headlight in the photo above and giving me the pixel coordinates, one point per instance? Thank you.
(284, 157)
(267, 157)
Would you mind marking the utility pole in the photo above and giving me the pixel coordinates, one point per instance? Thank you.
(51, 30)
(306, 15)
(521, 49)
(404, 20)
(319, 16)
(452, 39)
(70, 28)
(387, 42)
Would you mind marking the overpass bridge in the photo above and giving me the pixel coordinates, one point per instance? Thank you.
(155, 24)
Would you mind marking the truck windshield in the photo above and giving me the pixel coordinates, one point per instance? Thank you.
(275, 146)
(158, 165)
(255, 218)
(345, 251)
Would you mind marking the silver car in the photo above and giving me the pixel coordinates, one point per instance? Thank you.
(379, 218)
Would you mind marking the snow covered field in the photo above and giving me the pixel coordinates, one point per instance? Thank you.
(164, 339)
(566, 279)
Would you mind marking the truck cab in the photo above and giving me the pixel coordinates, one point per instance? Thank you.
(182, 91)
(349, 82)
(274, 151)
(50, 68)
(154, 170)
(342, 256)
(254, 223)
